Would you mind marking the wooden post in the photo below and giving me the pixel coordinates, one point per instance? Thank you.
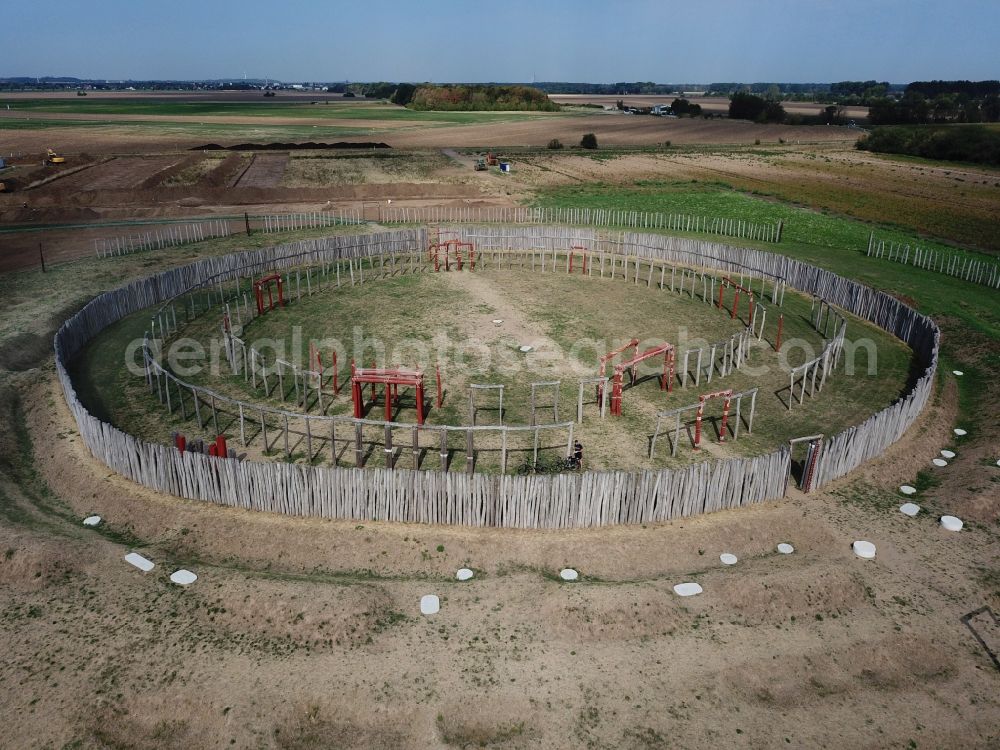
(389, 452)
(503, 450)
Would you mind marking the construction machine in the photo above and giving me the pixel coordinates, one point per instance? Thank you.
(51, 157)
(492, 159)
(480, 165)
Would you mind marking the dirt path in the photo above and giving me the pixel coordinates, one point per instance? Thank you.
(517, 328)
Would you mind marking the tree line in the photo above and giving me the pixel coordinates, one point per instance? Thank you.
(969, 143)
(462, 97)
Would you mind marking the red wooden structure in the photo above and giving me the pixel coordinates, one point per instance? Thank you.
(666, 379)
(218, 449)
(726, 281)
(603, 371)
(582, 252)
(391, 379)
(268, 283)
(728, 396)
(460, 250)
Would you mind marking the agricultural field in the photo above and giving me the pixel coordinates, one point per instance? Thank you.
(301, 633)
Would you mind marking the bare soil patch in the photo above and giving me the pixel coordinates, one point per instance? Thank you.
(122, 172)
(265, 170)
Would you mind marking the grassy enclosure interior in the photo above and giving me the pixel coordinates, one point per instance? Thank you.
(446, 318)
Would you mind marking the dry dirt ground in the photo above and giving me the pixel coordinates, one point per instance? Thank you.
(708, 103)
(307, 634)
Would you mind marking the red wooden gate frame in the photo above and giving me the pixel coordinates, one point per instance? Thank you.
(726, 281)
(391, 379)
(666, 379)
(448, 247)
(603, 371)
(728, 395)
(266, 282)
(582, 252)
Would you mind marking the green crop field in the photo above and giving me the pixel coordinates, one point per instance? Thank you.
(299, 110)
(202, 130)
(827, 240)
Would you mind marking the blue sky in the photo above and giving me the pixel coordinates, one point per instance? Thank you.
(510, 40)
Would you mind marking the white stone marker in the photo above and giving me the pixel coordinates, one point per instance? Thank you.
(429, 604)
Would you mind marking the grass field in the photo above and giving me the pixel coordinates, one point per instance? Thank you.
(304, 110)
(827, 240)
(198, 130)
(445, 319)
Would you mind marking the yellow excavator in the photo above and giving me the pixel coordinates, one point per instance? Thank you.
(51, 157)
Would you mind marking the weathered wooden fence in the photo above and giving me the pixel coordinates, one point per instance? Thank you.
(271, 223)
(976, 269)
(594, 217)
(168, 235)
(546, 501)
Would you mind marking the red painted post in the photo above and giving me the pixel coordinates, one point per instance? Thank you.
(722, 288)
(781, 323)
(616, 393)
(736, 303)
(356, 398)
(221, 449)
(697, 423)
(753, 310)
(181, 442)
(212, 450)
(281, 292)
(725, 418)
(584, 272)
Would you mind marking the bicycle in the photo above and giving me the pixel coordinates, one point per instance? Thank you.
(555, 466)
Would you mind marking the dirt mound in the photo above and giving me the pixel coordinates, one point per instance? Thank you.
(488, 723)
(34, 566)
(304, 613)
(225, 173)
(777, 596)
(314, 731)
(606, 614)
(23, 351)
(892, 663)
(175, 724)
(165, 174)
(307, 146)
